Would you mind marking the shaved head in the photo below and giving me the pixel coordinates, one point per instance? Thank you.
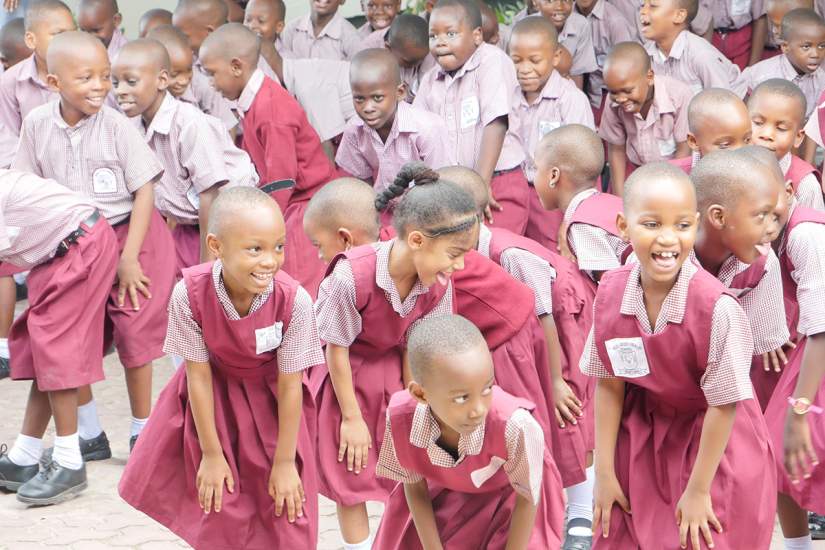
(276, 7)
(145, 51)
(375, 65)
(408, 30)
(650, 175)
(630, 56)
(472, 13)
(153, 19)
(767, 158)
(711, 104)
(690, 6)
(344, 202)
(722, 177)
(576, 150)
(783, 90)
(470, 181)
(110, 6)
(68, 47)
(41, 10)
(232, 205)
(796, 18)
(537, 26)
(169, 36)
(435, 337)
(231, 41)
(211, 13)
(13, 47)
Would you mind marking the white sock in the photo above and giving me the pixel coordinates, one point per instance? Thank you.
(26, 450)
(67, 451)
(799, 543)
(580, 503)
(4, 347)
(88, 424)
(137, 426)
(20, 278)
(365, 544)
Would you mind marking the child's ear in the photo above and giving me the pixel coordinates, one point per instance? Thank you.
(783, 45)
(478, 36)
(163, 80)
(789, 189)
(346, 238)
(717, 216)
(555, 177)
(556, 57)
(53, 82)
(417, 392)
(680, 17)
(401, 92)
(117, 19)
(279, 27)
(30, 40)
(621, 225)
(214, 245)
(415, 240)
(237, 66)
(799, 138)
(691, 141)
(649, 77)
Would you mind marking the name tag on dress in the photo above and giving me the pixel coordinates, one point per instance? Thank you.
(469, 112)
(268, 338)
(478, 477)
(547, 126)
(667, 146)
(739, 7)
(104, 181)
(627, 357)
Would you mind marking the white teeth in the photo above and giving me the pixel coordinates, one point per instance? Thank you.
(666, 254)
(262, 276)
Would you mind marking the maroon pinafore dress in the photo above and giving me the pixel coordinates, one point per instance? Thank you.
(600, 210)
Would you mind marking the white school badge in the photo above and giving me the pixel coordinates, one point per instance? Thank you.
(740, 7)
(469, 112)
(478, 477)
(547, 126)
(194, 197)
(268, 338)
(104, 181)
(667, 146)
(627, 357)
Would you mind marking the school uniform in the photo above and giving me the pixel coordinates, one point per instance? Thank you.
(349, 318)
(411, 76)
(655, 137)
(811, 84)
(21, 90)
(416, 135)
(104, 158)
(693, 61)
(592, 235)
(482, 90)
(196, 153)
(372, 39)
(801, 256)
(733, 28)
(246, 355)
(72, 254)
(116, 44)
(474, 495)
(291, 164)
(608, 28)
(201, 94)
(804, 179)
(577, 37)
(338, 40)
(816, 121)
(562, 291)
(665, 401)
(687, 164)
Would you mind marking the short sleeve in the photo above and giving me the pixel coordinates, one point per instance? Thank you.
(349, 156)
(533, 271)
(25, 158)
(388, 465)
(197, 149)
(140, 166)
(809, 193)
(9, 106)
(812, 127)
(339, 321)
(434, 147)
(184, 337)
(611, 128)
(764, 306)
(806, 250)
(727, 376)
(592, 248)
(584, 58)
(680, 126)
(590, 363)
(496, 86)
(300, 347)
(743, 85)
(525, 455)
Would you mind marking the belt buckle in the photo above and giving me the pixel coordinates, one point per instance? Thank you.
(62, 249)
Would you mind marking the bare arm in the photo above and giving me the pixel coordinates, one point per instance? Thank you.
(521, 524)
(492, 140)
(355, 436)
(758, 38)
(609, 402)
(568, 407)
(284, 482)
(421, 509)
(799, 450)
(616, 156)
(129, 271)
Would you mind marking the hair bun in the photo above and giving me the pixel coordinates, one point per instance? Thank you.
(416, 173)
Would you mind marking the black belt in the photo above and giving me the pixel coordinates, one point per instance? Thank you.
(505, 171)
(123, 221)
(72, 238)
(279, 185)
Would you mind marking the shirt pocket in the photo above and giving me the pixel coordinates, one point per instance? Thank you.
(106, 177)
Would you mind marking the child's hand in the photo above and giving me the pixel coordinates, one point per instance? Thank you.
(568, 406)
(564, 246)
(800, 457)
(131, 279)
(606, 493)
(492, 205)
(694, 515)
(774, 357)
(285, 486)
(212, 473)
(355, 443)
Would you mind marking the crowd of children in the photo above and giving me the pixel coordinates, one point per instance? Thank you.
(545, 283)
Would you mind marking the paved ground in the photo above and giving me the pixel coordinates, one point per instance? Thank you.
(98, 519)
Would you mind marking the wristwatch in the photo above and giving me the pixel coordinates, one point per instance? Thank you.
(802, 406)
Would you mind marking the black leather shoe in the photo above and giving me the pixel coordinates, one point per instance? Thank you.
(816, 524)
(13, 476)
(90, 449)
(577, 542)
(5, 371)
(53, 484)
(132, 441)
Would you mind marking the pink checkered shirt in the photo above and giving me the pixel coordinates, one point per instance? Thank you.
(322, 88)
(416, 135)
(103, 157)
(202, 95)
(115, 45)
(526, 267)
(608, 27)
(186, 141)
(808, 192)
(595, 249)
(411, 76)
(372, 39)
(806, 249)
(655, 137)
(300, 347)
(35, 215)
(735, 14)
(727, 376)
(338, 40)
(812, 126)
(811, 84)
(694, 61)
(482, 90)
(21, 90)
(339, 321)
(525, 450)
(560, 103)
(577, 37)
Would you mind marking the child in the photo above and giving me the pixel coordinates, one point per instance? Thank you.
(408, 41)
(451, 421)
(13, 48)
(717, 119)
(777, 110)
(774, 11)
(794, 431)
(646, 120)
(569, 162)
(739, 31)
(474, 88)
(399, 282)
(196, 19)
(323, 33)
(95, 150)
(285, 149)
(803, 47)
(379, 14)
(608, 27)
(491, 32)
(247, 333)
(547, 101)
(678, 53)
(153, 19)
(72, 254)
(691, 424)
(189, 84)
(185, 141)
(563, 301)
(102, 19)
(266, 19)
(388, 132)
(574, 34)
